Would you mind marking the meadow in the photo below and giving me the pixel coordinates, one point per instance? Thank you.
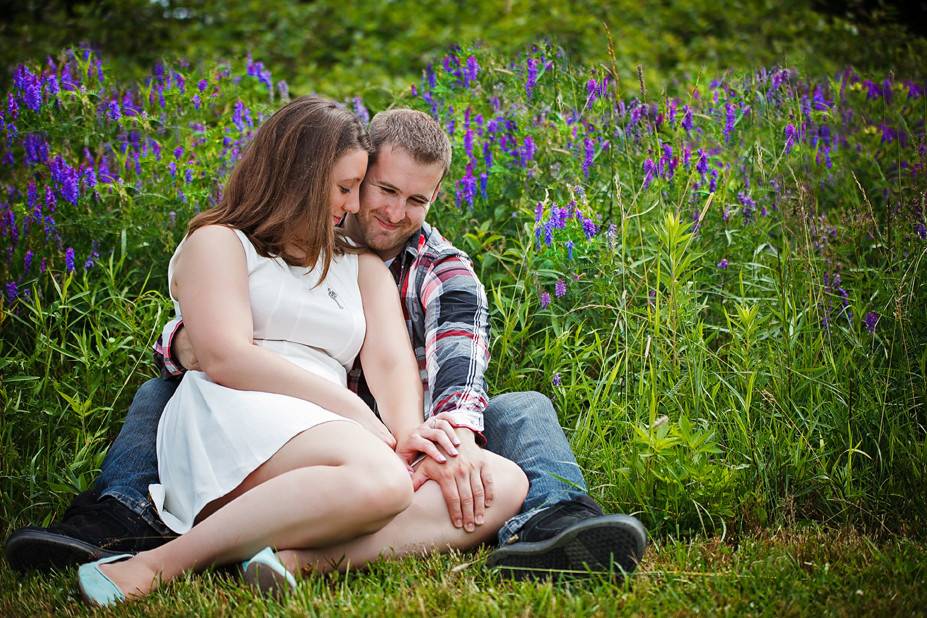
(720, 284)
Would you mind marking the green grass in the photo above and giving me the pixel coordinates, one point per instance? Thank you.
(811, 571)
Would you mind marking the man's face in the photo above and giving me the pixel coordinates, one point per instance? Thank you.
(394, 199)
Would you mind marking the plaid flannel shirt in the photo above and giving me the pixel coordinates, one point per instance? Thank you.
(447, 316)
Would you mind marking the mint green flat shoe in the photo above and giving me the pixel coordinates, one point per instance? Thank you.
(265, 572)
(95, 587)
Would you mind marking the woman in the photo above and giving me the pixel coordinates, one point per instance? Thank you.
(267, 446)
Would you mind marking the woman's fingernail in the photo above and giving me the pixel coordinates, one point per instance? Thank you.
(442, 458)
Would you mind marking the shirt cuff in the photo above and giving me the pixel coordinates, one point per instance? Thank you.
(165, 347)
(466, 420)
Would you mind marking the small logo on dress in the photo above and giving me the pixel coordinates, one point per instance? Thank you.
(332, 294)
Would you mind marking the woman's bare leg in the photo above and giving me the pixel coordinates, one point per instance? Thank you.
(423, 527)
(331, 483)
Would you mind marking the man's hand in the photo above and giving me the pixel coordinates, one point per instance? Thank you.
(465, 481)
(182, 350)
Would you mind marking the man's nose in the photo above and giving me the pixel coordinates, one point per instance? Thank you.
(396, 209)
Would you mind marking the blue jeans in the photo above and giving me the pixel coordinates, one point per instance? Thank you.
(521, 427)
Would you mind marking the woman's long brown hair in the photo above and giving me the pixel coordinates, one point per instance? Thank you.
(278, 192)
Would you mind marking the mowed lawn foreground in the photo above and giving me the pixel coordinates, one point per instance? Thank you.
(813, 571)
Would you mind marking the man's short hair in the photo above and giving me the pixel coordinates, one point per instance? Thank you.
(415, 132)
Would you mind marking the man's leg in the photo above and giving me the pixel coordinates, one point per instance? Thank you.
(116, 515)
(560, 528)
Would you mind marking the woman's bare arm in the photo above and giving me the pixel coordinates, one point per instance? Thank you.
(387, 358)
(211, 284)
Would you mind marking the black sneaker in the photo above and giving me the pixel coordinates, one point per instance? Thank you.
(572, 538)
(91, 528)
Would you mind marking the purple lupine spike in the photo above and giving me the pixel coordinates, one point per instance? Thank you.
(532, 77)
(592, 90)
(649, 169)
(471, 71)
(69, 259)
(589, 155)
(729, 118)
(548, 234)
(360, 110)
(589, 228)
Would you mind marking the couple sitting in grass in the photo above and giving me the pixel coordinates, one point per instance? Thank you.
(322, 400)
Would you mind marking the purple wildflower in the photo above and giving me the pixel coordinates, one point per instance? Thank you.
(589, 149)
(790, 134)
(921, 231)
(471, 71)
(560, 289)
(687, 118)
(569, 246)
(283, 89)
(172, 168)
(556, 381)
(649, 169)
(36, 149)
(723, 264)
(871, 319)
(50, 201)
(12, 291)
(538, 212)
(532, 78)
(361, 111)
(27, 261)
(113, 111)
(589, 228)
(69, 259)
(729, 118)
(545, 299)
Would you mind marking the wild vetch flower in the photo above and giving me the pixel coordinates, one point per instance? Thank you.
(545, 299)
(819, 102)
(283, 89)
(611, 233)
(92, 258)
(749, 206)
(569, 247)
(50, 83)
(188, 175)
(921, 231)
(27, 261)
(43, 265)
(36, 149)
(649, 169)
(729, 118)
(532, 78)
(548, 234)
(12, 108)
(69, 259)
(589, 150)
(790, 134)
(196, 101)
(12, 291)
(687, 118)
(702, 165)
(871, 319)
(723, 264)
(50, 201)
(172, 169)
(112, 110)
(556, 379)
(527, 151)
(538, 212)
(915, 90)
(592, 88)
(560, 288)
(361, 111)
(589, 228)
(471, 70)
(713, 182)
(238, 115)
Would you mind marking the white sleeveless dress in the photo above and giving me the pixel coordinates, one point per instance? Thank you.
(211, 437)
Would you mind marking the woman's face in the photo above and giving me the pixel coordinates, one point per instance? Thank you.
(347, 174)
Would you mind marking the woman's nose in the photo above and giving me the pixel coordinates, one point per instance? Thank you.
(352, 204)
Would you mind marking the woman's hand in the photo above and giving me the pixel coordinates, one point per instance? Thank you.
(425, 438)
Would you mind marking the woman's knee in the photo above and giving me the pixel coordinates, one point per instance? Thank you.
(383, 484)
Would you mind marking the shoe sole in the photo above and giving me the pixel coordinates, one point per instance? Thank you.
(610, 543)
(41, 550)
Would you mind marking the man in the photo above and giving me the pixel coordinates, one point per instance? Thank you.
(559, 528)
